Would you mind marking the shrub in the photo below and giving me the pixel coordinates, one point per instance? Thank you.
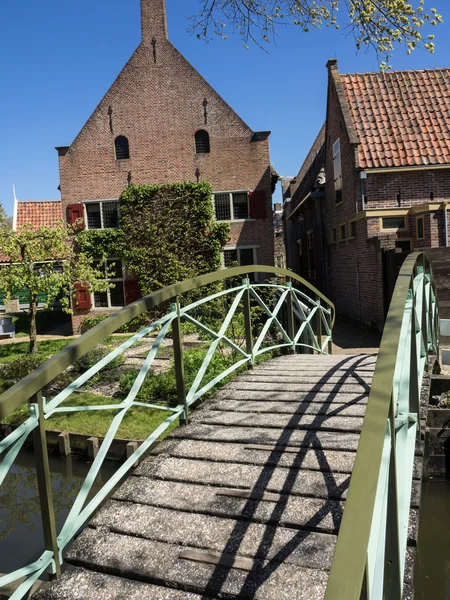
(21, 366)
(94, 356)
(162, 387)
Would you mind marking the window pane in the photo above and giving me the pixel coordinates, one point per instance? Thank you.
(110, 214)
(202, 142)
(222, 205)
(100, 300)
(93, 216)
(420, 228)
(240, 206)
(393, 222)
(353, 229)
(100, 266)
(246, 257)
(229, 257)
(114, 268)
(405, 245)
(116, 294)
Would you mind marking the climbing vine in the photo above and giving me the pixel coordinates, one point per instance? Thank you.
(168, 234)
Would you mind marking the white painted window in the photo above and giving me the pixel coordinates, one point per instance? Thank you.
(115, 296)
(337, 166)
(243, 255)
(232, 206)
(101, 215)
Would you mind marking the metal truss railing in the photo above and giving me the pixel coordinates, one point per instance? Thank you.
(299, 314)
(369, 561)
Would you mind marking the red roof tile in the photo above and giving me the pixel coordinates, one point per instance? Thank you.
(37, 213)
(401, 118)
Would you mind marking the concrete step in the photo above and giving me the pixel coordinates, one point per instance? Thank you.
(280, 386)
(150, 561)
(311, 514)
(322, 440)
(315, 484)
(285, 421)
(82, 584)
(311, 378)
(279, 456)
(291, 456)
(298, 512)
(298, 397)
(218, 534)
(291, 408)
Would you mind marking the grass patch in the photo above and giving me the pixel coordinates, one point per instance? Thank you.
(138, 423)
(8, 352)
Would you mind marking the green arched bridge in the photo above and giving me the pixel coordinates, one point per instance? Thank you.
(297, 479)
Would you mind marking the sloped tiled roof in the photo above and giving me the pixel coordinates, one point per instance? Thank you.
(401, 118)
(39, 213)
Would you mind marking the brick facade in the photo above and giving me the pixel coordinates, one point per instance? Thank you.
(159, 101)
(358, 279)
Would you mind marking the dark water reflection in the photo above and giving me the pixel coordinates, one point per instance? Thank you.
(21, 538)
(432, 574)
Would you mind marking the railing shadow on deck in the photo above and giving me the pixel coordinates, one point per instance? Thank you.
(285, 315)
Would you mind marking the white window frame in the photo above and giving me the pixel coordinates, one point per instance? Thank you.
(238, 248)
(100, 202)
(230, 199)
(108, 292)
(337, 168)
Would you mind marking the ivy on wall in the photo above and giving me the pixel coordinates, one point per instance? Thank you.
(168, 234)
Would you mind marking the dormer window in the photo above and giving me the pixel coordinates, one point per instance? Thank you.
(202, 142)
(122, 148)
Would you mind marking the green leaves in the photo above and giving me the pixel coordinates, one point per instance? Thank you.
(170, 233)
(380, 24)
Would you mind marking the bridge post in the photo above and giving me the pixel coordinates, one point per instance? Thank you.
(290, 318)
(392, 577)
(178, 359)
(248, 322)
(44, 481)
(319, 325)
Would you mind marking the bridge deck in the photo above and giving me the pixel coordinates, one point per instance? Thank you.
(244, 502)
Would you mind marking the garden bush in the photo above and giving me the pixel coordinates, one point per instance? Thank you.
(94, 356)
(21, 366)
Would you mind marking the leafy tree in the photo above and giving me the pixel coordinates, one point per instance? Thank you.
(45, 260)
(377, 23)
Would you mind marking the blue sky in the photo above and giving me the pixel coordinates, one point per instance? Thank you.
(58, 58)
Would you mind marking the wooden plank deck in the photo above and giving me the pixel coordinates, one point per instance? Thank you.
(245, 502)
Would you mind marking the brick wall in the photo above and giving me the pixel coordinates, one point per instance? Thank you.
(157, 102)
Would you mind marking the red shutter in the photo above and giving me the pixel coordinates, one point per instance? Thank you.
(132, 291)
(258, 205)
(75, 212)
(83, 297)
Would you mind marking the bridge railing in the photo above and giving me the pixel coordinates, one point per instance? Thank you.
(369, 560)
(280, 314)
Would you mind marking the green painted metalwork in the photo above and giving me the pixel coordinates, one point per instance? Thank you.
(371, 548)
(296, 331)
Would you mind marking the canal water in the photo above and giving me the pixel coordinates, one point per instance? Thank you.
(21, 529)
(432, 574)
(21, 535)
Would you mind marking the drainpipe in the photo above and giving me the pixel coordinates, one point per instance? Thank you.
(446, 225)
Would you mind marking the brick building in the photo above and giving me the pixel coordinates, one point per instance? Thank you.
(161, 122)
(385, 152)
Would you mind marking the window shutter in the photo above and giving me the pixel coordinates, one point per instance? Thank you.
(132, 291)
(258, 205)
(74, 212)
(82, 297)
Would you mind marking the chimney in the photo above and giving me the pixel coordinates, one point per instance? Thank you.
(332, 64)
(153, 21)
